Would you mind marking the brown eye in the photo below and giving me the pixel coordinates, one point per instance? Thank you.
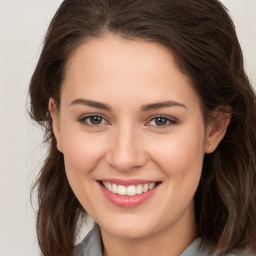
(161, 121)
(92, 120)
(95, 120)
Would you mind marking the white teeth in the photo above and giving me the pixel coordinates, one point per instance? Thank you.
(151, 185)
(145, 187)
(114, 188)
(139, 189)
(121, 190)
(131, 190)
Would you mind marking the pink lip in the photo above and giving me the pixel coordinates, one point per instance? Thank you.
(128, 182)
(127, 201)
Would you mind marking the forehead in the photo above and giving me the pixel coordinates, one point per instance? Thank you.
(107, 52)
(112, 66)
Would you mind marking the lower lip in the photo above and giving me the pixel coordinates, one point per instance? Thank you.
(128, 201)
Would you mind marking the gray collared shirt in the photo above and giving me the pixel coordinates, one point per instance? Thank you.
(92, 246)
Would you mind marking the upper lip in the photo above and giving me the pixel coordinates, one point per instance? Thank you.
(128, 182)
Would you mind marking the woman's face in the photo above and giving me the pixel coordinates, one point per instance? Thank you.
(130, 118)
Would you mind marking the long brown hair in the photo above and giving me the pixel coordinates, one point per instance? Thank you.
(202, 37)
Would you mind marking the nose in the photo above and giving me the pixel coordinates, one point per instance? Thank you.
(126, 150)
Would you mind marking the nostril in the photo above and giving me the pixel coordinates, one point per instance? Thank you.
(126, 161)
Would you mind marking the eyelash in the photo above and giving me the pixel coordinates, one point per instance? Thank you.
(83, 120)
(169, 121)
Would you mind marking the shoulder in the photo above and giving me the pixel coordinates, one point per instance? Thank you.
(196, 248)
(91, 244)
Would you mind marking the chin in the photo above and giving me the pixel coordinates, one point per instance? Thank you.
(128, 229)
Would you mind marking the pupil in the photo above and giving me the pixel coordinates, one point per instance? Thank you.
(95, 120)
(161, 121)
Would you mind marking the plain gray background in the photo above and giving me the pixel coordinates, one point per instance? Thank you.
(23, 24)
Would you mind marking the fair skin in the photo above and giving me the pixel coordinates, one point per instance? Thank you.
(126, 140)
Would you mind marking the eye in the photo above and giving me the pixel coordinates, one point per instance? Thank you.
(92, 120)
(161, 121)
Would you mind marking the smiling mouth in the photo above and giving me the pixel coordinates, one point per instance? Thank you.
(130, 190)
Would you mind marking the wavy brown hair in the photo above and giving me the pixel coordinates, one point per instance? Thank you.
(202, 37)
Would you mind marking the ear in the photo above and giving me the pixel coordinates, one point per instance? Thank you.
(55, 122)
(217, 127)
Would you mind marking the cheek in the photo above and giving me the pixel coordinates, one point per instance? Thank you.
(181, 155)
(82, 152)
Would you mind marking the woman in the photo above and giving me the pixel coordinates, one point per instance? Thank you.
(150, 119)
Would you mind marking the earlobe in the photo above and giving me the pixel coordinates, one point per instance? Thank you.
(55, 122)
(216, 128)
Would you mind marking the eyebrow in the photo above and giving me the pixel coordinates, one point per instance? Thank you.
(164, 104)
(143, 108)
(91, 103)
